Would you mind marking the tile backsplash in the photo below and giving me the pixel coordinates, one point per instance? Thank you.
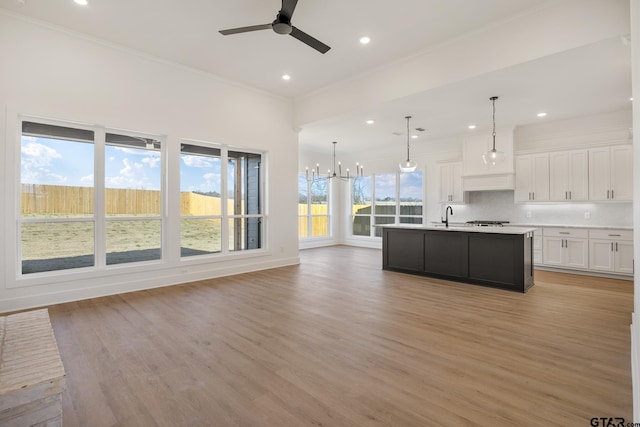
(499, 205)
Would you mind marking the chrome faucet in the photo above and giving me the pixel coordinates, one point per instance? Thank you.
(445, 221)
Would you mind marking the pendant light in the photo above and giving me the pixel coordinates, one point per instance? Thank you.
(493, 156)
(408, 165)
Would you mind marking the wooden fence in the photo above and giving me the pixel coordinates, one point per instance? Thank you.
(37, 199)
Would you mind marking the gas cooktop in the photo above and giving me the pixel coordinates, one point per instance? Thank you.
(487, 223)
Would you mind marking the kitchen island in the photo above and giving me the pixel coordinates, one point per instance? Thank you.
(500, 257)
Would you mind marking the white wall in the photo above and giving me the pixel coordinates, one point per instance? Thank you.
(635, 327)
(53, 74)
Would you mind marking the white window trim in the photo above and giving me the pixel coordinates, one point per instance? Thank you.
(373, 215)
(309, 215)
(224, 197)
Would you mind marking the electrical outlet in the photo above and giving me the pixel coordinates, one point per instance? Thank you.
(528, 214)
(587, 215)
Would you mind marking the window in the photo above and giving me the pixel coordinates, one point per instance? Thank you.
(132, 198)
(313, 207)
(57, 220)
(72, 216)
(221, 200)
(386, 199)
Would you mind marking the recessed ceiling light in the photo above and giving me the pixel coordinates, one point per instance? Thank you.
(471, 126)
(81, 2)
(414, 136)
(364, 40)
(286, 77)
(542, 114)
(370, 121)
(630, 99)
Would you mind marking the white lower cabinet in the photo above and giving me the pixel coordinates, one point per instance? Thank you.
(599, 250)
(537, 246)
(565, 247)
(611, 251)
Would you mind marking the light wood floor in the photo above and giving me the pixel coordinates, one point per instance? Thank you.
(336, 341)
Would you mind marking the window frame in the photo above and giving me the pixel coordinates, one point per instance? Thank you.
(225, 216)
(99, 218)
(372, 216)
(309, 216)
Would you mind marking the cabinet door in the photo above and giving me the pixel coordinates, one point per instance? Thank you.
(576, 253)
(456, 183)
(559, 176)
(578, 175)
(601, 255)
(524, 176)
(624, 257)
(552, 249)
(622, 172)
(599, 174)
(445, 183)
(540, 178)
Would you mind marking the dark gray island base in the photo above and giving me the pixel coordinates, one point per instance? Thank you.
(492, 256)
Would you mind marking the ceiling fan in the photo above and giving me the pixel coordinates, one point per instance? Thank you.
(282, 25)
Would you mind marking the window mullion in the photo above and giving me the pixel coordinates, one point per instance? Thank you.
(99, 213)
(397, 215)
(372, 229)
(309, 220)
(224, 227)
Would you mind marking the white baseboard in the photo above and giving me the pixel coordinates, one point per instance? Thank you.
(174, 277)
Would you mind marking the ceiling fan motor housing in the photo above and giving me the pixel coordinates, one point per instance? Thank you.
(282, 25)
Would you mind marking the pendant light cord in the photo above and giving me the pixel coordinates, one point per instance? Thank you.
(493, 99)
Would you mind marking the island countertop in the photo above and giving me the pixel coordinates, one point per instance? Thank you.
(466, 229)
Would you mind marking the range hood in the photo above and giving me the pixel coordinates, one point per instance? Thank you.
(476, 176)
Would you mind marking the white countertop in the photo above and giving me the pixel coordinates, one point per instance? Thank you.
(594, 227)
(465, 228)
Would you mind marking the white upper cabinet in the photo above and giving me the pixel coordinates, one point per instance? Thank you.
(611, 173)
(532, 178)
(451, 183)
(569, 176)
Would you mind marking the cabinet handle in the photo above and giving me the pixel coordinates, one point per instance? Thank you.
(533, 195)
(608, 194)
(564, 232)
(611, 246)
(612, 196)
(616, 246)
(565, 195)
(614, 235)
(569, 195)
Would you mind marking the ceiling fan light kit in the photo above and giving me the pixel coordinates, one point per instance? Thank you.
(282, 25)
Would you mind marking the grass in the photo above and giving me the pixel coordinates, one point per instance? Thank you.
(41, 241)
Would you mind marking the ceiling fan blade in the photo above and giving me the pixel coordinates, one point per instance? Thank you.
(307, 39)
(288, 6)
(245, 29)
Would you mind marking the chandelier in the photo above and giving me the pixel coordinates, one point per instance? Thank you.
(337, 170)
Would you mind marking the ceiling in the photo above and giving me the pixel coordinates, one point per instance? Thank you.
(587, 80)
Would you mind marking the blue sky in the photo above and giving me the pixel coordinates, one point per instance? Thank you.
(70, 163)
